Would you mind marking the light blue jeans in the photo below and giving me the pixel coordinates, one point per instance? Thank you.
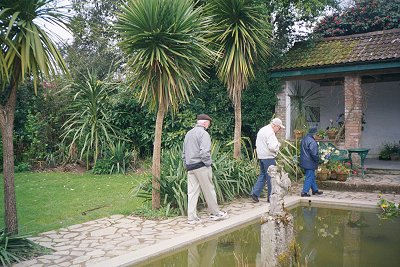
(263, 177)
(309, 181)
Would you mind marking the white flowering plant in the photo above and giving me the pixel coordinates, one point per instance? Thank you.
(325, 155)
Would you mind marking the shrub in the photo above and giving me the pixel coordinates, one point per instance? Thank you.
(22, 167)
(288, 159)
(102, 166)
(117, 159)
(364, 16)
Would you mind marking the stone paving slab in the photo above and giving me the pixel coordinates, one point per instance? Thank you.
(116, 240)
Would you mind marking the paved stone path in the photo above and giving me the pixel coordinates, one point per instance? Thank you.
(96, 242)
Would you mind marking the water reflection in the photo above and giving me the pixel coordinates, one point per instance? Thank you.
(309, 252)
(326, 237)
(207, 255)
(346, 238)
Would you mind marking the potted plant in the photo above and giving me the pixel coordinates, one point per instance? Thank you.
(340, 170)
(323, 172)
(332, 132)
(300, 101)
(395, 152)
(321, 134)
(390, 151)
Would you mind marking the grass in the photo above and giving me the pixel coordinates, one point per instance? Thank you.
(49, 201)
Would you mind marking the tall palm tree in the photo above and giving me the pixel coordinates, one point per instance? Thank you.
(27, 52)
(241, 32)
(164, 40)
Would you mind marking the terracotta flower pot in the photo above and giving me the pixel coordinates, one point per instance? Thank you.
(322, 175)
(331, 134)
(342, 177)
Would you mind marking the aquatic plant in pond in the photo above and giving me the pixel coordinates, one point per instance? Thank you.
(388, 208)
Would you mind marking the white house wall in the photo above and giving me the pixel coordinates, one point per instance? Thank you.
(331, 104)
(382, 115)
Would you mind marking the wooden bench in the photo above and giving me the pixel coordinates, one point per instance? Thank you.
(336, 154)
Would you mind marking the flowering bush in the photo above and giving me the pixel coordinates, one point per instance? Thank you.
(340, 167)
(323, 168)
(364, 16)
(325, 154)
(388, 208)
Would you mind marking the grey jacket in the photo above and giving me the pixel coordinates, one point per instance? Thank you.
(197, 148)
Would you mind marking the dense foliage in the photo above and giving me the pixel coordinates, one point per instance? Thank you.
(364, 16)
(93, 38)
(39, 118)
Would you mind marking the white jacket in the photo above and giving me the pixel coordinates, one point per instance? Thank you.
(267, 144)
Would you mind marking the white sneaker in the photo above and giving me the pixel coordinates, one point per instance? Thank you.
(220, 216)
(194, 221)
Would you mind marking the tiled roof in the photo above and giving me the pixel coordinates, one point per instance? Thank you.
(373, 47)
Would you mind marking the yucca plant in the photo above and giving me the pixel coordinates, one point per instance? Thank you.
(288, 159)
(16, 248)
(231, 178)
(120, 157)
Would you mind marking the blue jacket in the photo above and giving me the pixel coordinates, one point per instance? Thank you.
(309, 153)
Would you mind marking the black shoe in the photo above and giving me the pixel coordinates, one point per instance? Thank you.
(318, 193)
(305, 195)
(254, 198)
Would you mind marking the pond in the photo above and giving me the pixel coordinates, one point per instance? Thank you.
(324, 237)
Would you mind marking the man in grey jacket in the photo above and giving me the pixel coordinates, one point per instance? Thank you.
(197, 159)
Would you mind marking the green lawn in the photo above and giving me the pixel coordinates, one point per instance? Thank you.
(48, 201)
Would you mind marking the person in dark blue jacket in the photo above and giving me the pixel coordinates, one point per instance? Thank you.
(309, 162)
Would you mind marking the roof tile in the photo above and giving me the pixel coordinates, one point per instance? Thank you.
(352, 49)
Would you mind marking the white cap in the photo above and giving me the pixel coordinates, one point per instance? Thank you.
(277, 122)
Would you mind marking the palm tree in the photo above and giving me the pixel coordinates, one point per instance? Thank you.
(167, 53)
(241, 32)
(88, 124)
(27, 51)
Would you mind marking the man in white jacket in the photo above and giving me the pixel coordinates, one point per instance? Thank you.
(267, 147)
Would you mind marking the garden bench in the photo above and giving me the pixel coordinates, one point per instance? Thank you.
(337, 154)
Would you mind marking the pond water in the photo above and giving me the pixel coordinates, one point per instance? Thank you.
(325, 237)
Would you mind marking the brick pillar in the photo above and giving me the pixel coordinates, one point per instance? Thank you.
(280, 111)
(352, 110)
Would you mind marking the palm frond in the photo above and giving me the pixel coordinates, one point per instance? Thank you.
(241, 33)
(28, 46)
(166, 47)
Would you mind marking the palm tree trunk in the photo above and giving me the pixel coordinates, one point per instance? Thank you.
(238, 125)
(7, 125)
(156, 167)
